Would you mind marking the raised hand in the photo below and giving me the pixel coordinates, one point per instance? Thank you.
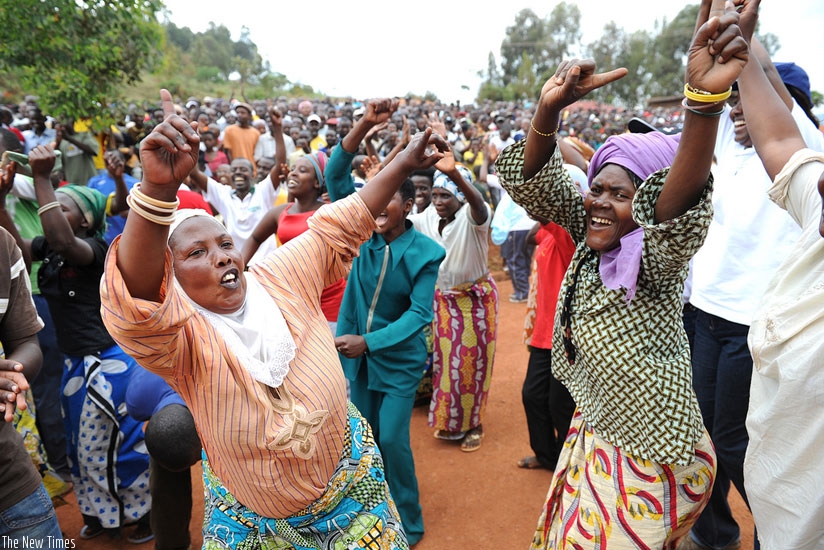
(435, 122)
(380, 110)
(424, 150)
(371, 166)
(41, 160)
(169, 152)
(719, 50)
(114, 164)
(275, 119)
(574, 79)
(748, 16)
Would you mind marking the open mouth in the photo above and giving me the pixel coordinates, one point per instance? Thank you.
(382, 218)
(230, 279)
(598, 222)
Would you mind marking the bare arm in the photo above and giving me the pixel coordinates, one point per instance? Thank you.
(771, 126)
(168, 154)
(716, 57)
(266, 227)
(378, 112)
(56, 227)
(6, 222)
(276, 129)
(572, 80)
(115, 166)
(378, 191)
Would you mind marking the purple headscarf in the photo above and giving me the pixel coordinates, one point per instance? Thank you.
(643, 155)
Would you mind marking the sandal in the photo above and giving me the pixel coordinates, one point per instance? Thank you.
(449, 436)
(143, 533)
(531, 463)
(472, 441)
(88, 532)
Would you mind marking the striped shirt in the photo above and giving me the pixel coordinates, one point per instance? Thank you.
(275, 450)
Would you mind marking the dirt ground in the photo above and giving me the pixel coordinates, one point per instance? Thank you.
(477, 501)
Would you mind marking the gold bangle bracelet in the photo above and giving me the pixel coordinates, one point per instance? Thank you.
(540, 133)
(153, 202)
(47, 207)
(703, 96)
(139, 209)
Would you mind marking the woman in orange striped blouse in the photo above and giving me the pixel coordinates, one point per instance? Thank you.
(287, 462)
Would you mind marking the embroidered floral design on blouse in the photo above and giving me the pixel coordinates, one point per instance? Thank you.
(300, 426)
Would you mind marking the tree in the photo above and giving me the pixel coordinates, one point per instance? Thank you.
(526, 35)
(86, 51)
(615, 49)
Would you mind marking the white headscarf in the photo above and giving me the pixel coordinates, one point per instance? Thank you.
(257, 332)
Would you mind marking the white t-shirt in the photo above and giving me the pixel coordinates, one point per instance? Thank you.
(242, 216)
(749, 235)
(466, 244)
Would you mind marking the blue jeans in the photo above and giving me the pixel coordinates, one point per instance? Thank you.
(721, 373)
(33, 518)
(518, 256)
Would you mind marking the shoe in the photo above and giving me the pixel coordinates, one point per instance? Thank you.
(449, 436)
(516, 299)
(472, 441)
(531, 463)
(143, 533)
(88, 532)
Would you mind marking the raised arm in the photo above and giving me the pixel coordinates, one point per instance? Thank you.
(573, 80)
(168, 154)
(276, 129)
(7, 175)
(339, 182)
(56, 228)
(771, 126)
(424, 150)
(716, 57)
(115, 167)
(266, 227)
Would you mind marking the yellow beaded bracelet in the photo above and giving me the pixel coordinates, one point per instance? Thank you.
(534, 129)
(703, 96)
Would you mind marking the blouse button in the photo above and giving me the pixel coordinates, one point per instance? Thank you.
(71, 294)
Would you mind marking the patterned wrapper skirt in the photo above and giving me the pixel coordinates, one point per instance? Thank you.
(106, 451)
(465, 328)
(355, 512)
(604, 499)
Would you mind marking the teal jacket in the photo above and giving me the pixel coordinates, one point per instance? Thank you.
(388, 298)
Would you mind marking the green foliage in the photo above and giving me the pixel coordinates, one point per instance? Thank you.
(656, 59)
(77, 55)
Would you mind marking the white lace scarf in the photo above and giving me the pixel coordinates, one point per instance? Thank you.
(256, 333)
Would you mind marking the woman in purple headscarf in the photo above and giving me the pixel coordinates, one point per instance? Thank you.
(637, 465)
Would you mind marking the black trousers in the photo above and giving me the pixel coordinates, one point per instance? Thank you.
(548, 406)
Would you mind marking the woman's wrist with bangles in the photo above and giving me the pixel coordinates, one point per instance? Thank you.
(159, 192)
(152, 209)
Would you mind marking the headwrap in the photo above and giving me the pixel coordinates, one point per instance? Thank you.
(265, 354)
(184, 214)
(442, 181)
(318, 160)
(643, 155)
(92, 204)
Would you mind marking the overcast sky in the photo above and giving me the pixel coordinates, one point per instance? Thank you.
(369, 49)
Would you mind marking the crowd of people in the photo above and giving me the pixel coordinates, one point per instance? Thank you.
(270, 286)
